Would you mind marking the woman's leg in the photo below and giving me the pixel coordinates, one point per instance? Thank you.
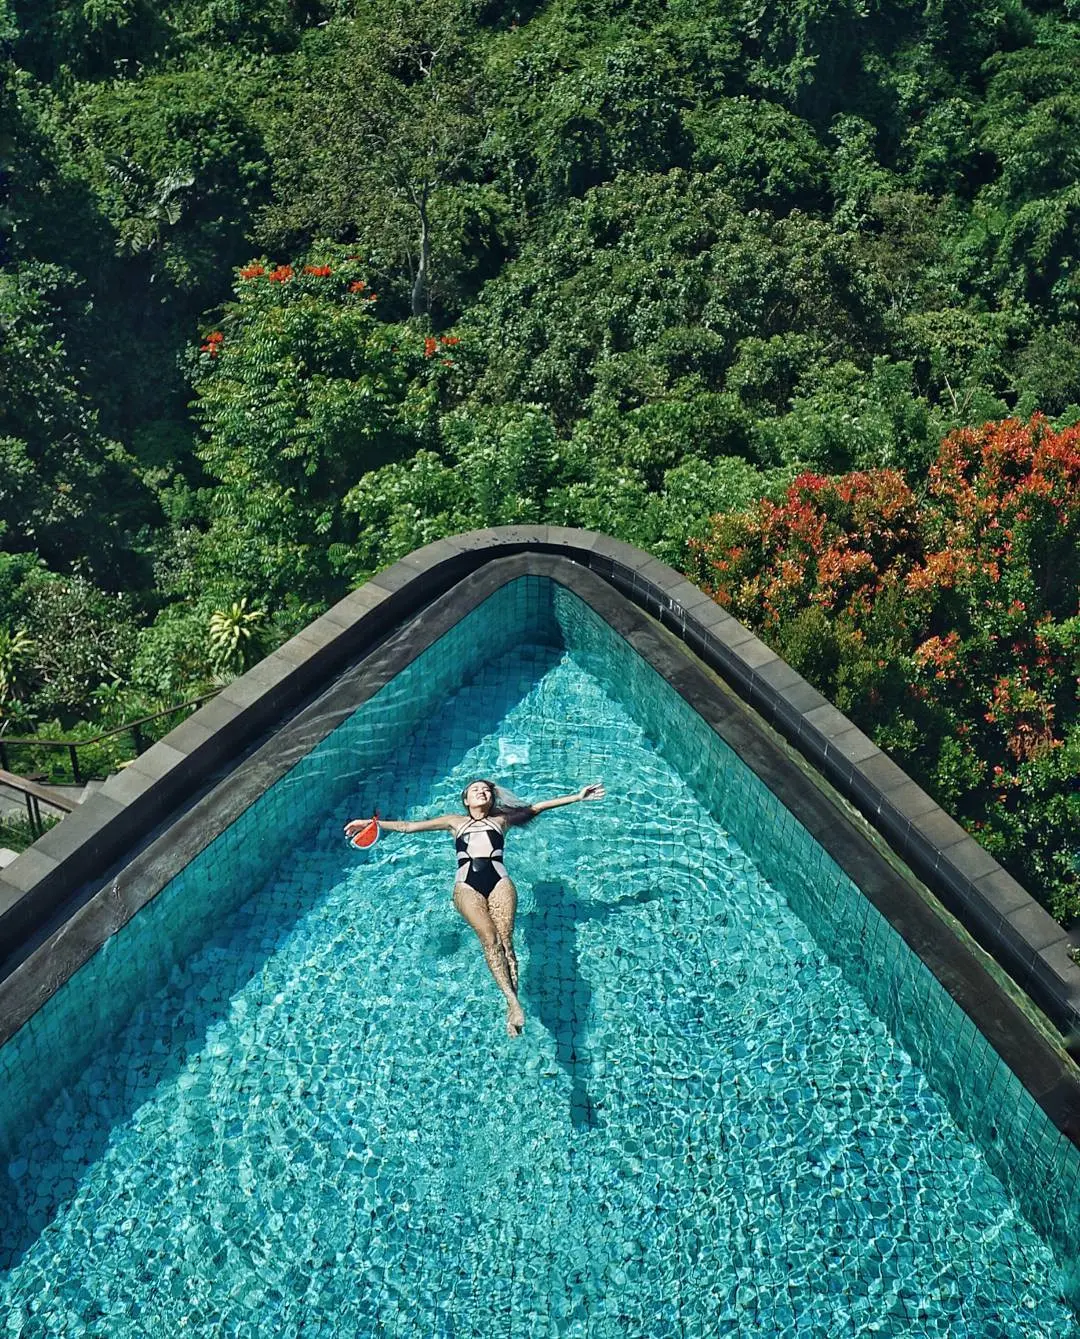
(474, 909)
(502, 907)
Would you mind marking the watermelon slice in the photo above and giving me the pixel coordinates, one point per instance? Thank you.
(367, 836)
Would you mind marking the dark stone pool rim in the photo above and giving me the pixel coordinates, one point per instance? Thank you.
(79, 883)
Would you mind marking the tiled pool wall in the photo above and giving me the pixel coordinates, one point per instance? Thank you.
(53, 1047)
(1039, 1165)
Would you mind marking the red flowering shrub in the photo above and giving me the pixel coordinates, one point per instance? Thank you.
(948, 627)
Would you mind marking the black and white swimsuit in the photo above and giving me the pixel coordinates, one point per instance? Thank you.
(479, 844)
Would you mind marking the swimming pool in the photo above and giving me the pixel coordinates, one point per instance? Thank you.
(314, 1125)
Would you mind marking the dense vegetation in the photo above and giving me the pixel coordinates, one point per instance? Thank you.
(289, 287)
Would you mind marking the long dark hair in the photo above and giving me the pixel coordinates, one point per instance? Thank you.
(516, 814)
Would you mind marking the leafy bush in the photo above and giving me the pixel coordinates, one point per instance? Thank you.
(846, 416)
(173, 654)
(80, 637)
(16, 832)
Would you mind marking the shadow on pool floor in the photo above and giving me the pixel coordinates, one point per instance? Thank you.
(555, 986)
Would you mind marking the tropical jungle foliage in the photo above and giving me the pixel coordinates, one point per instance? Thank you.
(288, 288)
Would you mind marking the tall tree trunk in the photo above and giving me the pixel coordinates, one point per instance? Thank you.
(420, 281)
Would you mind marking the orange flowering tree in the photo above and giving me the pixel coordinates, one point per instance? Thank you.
(946, 624)
(301, 389)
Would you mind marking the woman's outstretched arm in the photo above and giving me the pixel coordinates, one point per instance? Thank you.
(444, 823)
(593, 792)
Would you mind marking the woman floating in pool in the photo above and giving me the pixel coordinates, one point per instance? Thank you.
(484, 893)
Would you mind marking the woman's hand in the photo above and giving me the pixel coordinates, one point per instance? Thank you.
(593, 792)
(351, 829)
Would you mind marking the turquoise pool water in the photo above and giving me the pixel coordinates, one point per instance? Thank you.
(316, 1125)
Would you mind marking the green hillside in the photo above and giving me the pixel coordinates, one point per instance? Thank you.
(289, 287)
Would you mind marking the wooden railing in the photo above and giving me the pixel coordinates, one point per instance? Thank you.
(35, 796)
(72, 746)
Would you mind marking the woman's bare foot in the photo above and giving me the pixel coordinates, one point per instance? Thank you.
(515, 1019)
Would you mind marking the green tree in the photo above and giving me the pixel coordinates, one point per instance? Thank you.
(60, 38)
(178, 168)
(498, 466)
(172, 656)
(300, 391)
(1048, 371)
(1030, 118)
(384, 121)
(634, 267)
(765, 153)
(66, 490)
(507, 463)
(1028, 123)
(620, 110)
